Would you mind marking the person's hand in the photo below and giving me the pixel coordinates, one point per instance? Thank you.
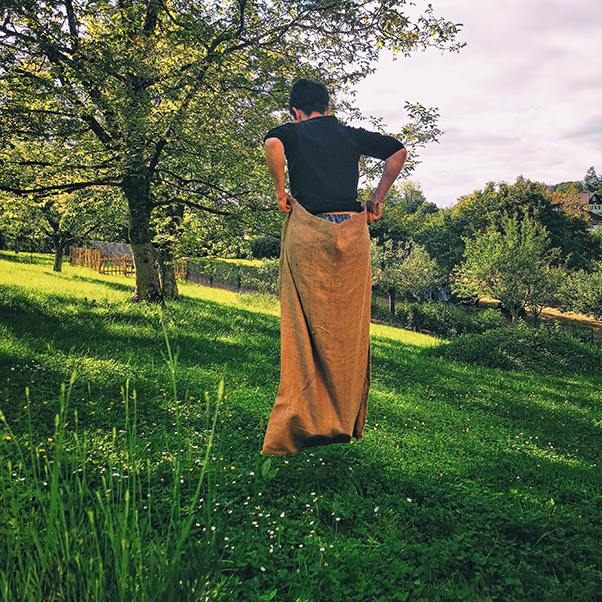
(373, 210)
(283, 204)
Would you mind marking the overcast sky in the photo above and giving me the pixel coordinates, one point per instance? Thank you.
(523, 97)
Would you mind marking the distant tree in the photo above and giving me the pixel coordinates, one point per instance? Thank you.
(444, 236)
(402, 269)
(21, 228)
(568, 187)
(65, 219)
(511, 263)
(408, 195)
(592, 182)
(582, 292)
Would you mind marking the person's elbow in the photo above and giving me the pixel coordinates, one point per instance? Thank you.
(394, 163)
(399, 158)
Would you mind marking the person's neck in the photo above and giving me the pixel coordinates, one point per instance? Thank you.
(316, 114)
(301, 116)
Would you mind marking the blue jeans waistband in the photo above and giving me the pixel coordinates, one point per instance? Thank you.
(335, 218)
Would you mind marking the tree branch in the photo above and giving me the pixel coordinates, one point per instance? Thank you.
(42, 191)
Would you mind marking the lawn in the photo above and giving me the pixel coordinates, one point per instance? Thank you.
(130, 464)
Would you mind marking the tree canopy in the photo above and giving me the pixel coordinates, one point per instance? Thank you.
(167, 101)
(445, 235)
(511, 263)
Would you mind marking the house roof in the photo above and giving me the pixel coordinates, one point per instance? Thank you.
(590, 198)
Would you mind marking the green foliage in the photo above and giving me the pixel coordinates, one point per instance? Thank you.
(522, 349)
(581, 292)
(259, 276)
(169, 103)
(592, 182)
(470, 483)
(440, 319)
(568, 187)
(406, 269)
(265, 247)
(445, 235)
(62, 221)
(510, 264)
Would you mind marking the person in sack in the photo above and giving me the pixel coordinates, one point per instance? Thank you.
(325, 275)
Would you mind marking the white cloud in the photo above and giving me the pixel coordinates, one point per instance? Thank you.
(523, 97)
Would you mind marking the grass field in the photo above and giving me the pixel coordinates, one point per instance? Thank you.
(130, 464)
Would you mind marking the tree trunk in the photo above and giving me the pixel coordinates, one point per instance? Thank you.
(137, 192)
(391, 293)
(58, 244)
(172, 229)
(169, 286)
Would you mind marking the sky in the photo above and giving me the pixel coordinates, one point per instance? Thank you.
(523, 97)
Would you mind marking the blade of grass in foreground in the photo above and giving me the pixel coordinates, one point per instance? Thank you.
(79, 535)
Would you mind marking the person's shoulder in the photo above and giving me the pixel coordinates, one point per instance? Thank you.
(283, 132)
(359, 131)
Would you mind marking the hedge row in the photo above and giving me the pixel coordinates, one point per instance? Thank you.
(440, 319)
(262, 278)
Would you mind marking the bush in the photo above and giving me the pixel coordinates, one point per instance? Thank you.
(234, 276)
(582, 293)
(522, 349)
(441, 319)
(264, 279)
(265, 247)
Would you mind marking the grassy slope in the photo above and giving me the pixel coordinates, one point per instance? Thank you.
(471, 484)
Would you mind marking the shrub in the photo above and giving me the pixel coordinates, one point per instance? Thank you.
(265, 247)
(582, 293)
(522, 349)
(263, 279)
(234, 276)
(441, 319)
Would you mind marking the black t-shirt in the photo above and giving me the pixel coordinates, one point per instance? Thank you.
(322, 156)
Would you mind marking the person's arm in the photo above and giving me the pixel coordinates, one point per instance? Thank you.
(392, 168)
(275, 158)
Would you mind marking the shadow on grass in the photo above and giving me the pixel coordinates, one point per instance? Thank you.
(27, 258)
(118, 286)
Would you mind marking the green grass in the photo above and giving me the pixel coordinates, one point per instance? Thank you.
(471, 484)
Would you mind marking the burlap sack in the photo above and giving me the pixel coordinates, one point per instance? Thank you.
(325, 333)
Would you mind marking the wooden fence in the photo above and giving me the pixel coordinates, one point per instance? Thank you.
(124, 265)
(117, 265)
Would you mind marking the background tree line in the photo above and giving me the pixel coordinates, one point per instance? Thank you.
(526, 244)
